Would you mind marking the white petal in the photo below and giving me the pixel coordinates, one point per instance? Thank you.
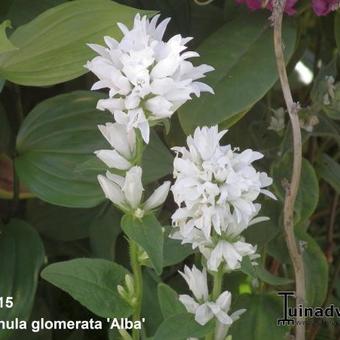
(145, 131)
(159, 106)
(99, 49)
(111, 191)
(269, 194)
(203, 314)
(158, 197)
(133, 188)
(113, 159)
(118, 137)
(119, 180)
(190, 304)
(166, 67)
(224, 301)
(236, 315)
(224, 318)
(110, 104)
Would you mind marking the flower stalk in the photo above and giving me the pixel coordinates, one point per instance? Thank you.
(293, 186)
(138, 285)
(216, 291)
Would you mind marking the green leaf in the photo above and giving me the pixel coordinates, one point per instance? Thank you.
(329, 170)
(104, 230)
(316, 269)
(277, 248)
(52, 47)
(150, 305)
(261, 233)
(308, 195)
(181, 327)
(5, 44)
(261, 273)
(40, 310)
(259, 322)
(238, 81)
(22, 11)
(57, 135)
(60, 223)
(92, 282)
(320, 86)
(157, 160)
(21, 256)
(5, 131)
(148, 233)
(326, 128)
(337, 29)
(174, 251)
(168, 300)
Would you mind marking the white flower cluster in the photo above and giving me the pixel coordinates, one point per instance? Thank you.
(148, 79)
(215, 190)
(202, 306)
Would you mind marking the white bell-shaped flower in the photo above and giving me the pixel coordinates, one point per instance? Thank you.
(203, 308)
(126, 192)
(123, 146)
(148, 78)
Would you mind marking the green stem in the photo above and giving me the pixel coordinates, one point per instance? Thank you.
(217, 288)
(138, 285)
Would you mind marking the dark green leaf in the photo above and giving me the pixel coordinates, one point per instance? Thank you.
(148, 233)
(22, 11)
(40, 310)
(92, 282)
(258, 271)
(316, 269)
(259, 322)
(104, 230)
(329, 170)
(21, 256)
(308, 195)
(5, 131)
(181, 327)
(327, 128)
(261, 233)
(52, 47)
(168, 300)
(157, 160)
(150, 304)
(60, 223)
(277, 248)
(320, 87)
(59, 134)
(174, 251)
(337, 29)
(245, 69)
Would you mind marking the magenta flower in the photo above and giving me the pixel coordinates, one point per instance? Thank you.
(324, 7)
(257, 4)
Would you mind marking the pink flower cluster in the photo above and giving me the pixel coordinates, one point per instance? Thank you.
(324, 7)
(258, 4)
(320, 7)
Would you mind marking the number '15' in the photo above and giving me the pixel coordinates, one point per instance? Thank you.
(6, 302)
